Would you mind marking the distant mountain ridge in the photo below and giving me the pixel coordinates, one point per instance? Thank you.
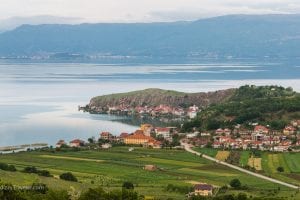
(233, 36)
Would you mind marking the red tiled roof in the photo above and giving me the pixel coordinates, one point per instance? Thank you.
(203, 187)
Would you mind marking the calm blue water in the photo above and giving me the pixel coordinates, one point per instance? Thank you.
(38, 102)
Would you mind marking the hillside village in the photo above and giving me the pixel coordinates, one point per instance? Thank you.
(260, 137)
(153, 111)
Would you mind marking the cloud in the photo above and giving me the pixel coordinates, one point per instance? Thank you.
(143, 10)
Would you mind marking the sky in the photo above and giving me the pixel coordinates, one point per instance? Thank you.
(141, 10)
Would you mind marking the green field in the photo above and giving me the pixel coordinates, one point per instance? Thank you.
(290, 163)
(110, 168)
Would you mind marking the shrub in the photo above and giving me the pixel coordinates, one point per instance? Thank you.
(280, 169)
(68, 176)
(44, 173)
(7, 167)
(30, 169)
(235, 183)
(128, 185)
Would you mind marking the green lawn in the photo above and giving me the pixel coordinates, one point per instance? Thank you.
(244, 158)
(208, 151)
(289, 162)
(110, 168)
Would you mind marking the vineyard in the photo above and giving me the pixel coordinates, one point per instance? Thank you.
(234, 157)
(222, 155)
(255, 163)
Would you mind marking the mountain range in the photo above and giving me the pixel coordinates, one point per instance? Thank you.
(229, 37)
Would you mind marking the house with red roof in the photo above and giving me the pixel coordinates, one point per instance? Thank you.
(77, 143)
(261, 129)
(106, 136)
(289, 130)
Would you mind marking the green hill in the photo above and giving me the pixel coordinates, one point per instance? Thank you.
(269, 105)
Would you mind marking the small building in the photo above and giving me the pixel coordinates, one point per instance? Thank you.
(106, 146)
(147, 129)
(203, 189)
(192, 112)
(106, 136)
(60, 143)
(150, 167)
(289, 130)
(192, 135)
(138, 138)
(77, 143)
(164, 132)
(261, 129)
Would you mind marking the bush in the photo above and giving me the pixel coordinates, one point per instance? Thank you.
(235, 183)
(30, 169)
(68, 176)
(44, 173)
(7, 167)
(280, 169)
(128, 185)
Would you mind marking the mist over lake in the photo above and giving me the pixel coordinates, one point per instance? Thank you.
(39, 101)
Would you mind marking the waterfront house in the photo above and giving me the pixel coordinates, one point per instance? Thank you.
(77, 143)
(138, 138)
(203, 189)
(147, 129)
(106, 136)
(60, 143)
(164, 132)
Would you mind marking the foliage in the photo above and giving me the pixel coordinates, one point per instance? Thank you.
(34, 170)
(179, 189)
(100, 194)
(235, 183)
(128, 185)
(280, 169)
(270, 105)
(6, 167)
(68, 176)
(30, 169)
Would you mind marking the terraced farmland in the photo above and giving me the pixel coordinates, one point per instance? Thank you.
(110, 168)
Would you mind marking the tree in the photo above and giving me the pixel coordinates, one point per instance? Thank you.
(44, 173)
(241, 196)
(30, 169)
(235, 183)
(68, 176)
(280, 169)
(128, 185)
(91, 140)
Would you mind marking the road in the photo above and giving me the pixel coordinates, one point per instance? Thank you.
(187, 147)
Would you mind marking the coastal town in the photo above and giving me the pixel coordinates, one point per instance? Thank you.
(153, 111)
(260, 138)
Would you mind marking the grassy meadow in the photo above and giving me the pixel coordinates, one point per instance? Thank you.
(110, 168)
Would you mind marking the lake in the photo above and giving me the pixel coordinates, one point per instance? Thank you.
(39, 101)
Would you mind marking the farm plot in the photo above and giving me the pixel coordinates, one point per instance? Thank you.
(292, 161)
(255, 163)
(222, 155)
(234, 157)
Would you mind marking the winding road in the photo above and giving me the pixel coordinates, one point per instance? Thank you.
(187, 147)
